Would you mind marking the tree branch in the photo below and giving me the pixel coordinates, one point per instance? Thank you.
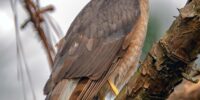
(168, 59)
(36, 18)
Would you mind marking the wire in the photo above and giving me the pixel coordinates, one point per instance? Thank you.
(54, 26)
(21, 55)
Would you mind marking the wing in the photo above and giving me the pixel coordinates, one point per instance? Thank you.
(94, 38)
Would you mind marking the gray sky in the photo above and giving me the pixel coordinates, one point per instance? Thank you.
(65, 12)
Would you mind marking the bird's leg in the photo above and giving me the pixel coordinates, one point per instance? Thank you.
(113, 87)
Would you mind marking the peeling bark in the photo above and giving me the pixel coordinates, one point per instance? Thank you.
(167, 62)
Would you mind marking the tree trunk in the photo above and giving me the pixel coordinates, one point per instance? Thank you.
(169, 60)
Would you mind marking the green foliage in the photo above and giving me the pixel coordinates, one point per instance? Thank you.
(153, 34)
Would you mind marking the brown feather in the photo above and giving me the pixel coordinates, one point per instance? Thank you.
(94, 40)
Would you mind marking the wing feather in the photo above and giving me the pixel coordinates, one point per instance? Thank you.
(94, 38)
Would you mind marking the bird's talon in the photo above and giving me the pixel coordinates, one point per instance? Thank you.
(189, 78)
(113, 87)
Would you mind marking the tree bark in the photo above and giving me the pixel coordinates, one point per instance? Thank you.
(168, 61)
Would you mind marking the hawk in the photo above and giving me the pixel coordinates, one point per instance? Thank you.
(94, 40)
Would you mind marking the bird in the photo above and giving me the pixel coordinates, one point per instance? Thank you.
(94, 40)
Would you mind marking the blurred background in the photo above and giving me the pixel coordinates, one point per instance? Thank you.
(161, 17)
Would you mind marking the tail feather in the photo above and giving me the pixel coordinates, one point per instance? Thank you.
(49, 86)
